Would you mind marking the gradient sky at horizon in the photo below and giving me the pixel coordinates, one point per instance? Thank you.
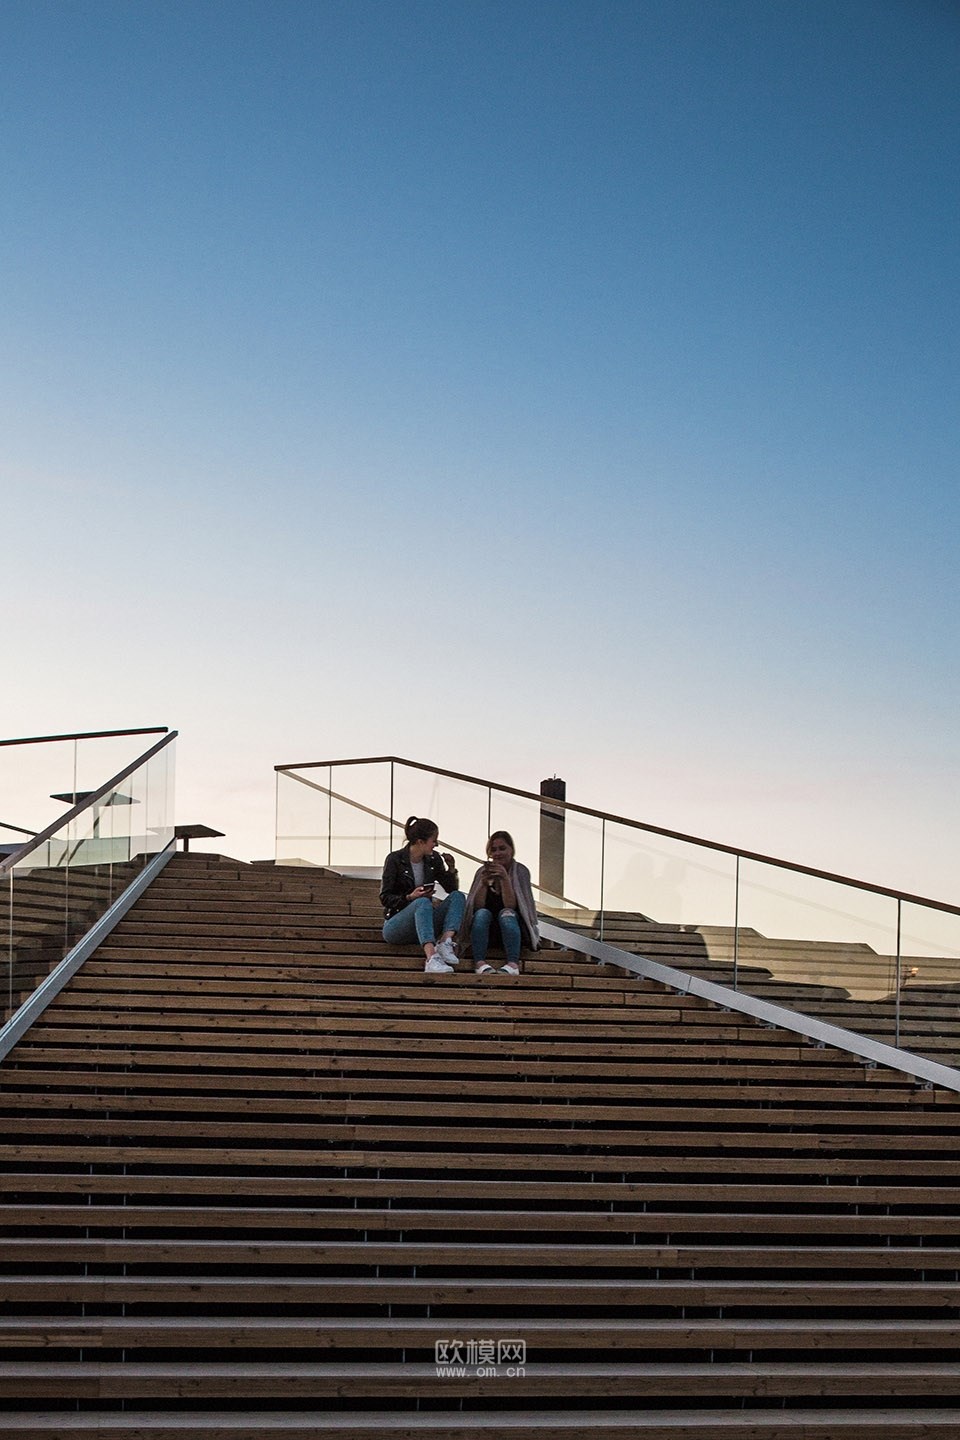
(524, 387)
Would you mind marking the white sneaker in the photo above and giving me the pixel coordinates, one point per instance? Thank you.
(447, 953)
(435, 966)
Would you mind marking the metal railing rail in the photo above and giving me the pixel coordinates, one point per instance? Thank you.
(69, 816)
(86, 735)
(602, 815)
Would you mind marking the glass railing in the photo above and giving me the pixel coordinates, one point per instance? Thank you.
(860, 956)
(58, 882)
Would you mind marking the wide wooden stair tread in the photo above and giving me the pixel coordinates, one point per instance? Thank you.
(612, 1424)
(259, 1166)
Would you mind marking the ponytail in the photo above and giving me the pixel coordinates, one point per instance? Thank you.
(420, 829)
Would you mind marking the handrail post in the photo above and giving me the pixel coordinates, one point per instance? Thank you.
(9, 946)
(329, 815)
(736, 920)
(390, 811)
(899, 978)
(603, 867)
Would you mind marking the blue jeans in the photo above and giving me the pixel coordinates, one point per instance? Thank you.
(423, 922)
(510, 936)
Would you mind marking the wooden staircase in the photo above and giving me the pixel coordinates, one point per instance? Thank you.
(259, 1167)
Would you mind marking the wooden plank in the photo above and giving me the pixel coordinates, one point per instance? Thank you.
(132, 1069)
(496, 1193)
(924, 1128)
(646, 1424)
(279, 1156)
(790, 1225)
(478, 1255)
(656, 1146)
(412, 1333)
(270, 1380)
(234, 1032)
(506, 1291)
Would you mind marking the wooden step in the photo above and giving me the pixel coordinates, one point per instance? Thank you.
(140, 1380)
(409, 1221)
(624, 1337)
(451, 1424)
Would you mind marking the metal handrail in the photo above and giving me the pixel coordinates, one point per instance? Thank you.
(734, 850)
(92, 799)
(86, 735)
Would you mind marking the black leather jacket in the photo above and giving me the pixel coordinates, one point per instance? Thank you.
(398, 878)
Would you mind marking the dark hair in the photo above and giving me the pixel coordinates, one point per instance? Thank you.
(420, 829)
(502, 835)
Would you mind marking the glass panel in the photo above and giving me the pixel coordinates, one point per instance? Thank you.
(819, 946)
(930, 982)
(335, 816)
(98, 759)
(669, 900)
(32, 775)
(304, 835)
(55, 894)
(29, 776)
(36, 926)
(87, 891)
(161, 800)
(571, 862)
(521, 820)
(460, 808)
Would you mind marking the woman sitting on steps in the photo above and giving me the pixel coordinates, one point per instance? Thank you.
(501, 900)
(410, 877)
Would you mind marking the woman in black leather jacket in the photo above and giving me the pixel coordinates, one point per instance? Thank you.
(410, 877)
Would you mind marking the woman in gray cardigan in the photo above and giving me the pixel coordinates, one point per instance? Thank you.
(501, 901)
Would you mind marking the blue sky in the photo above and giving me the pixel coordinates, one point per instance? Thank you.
(527, 388)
